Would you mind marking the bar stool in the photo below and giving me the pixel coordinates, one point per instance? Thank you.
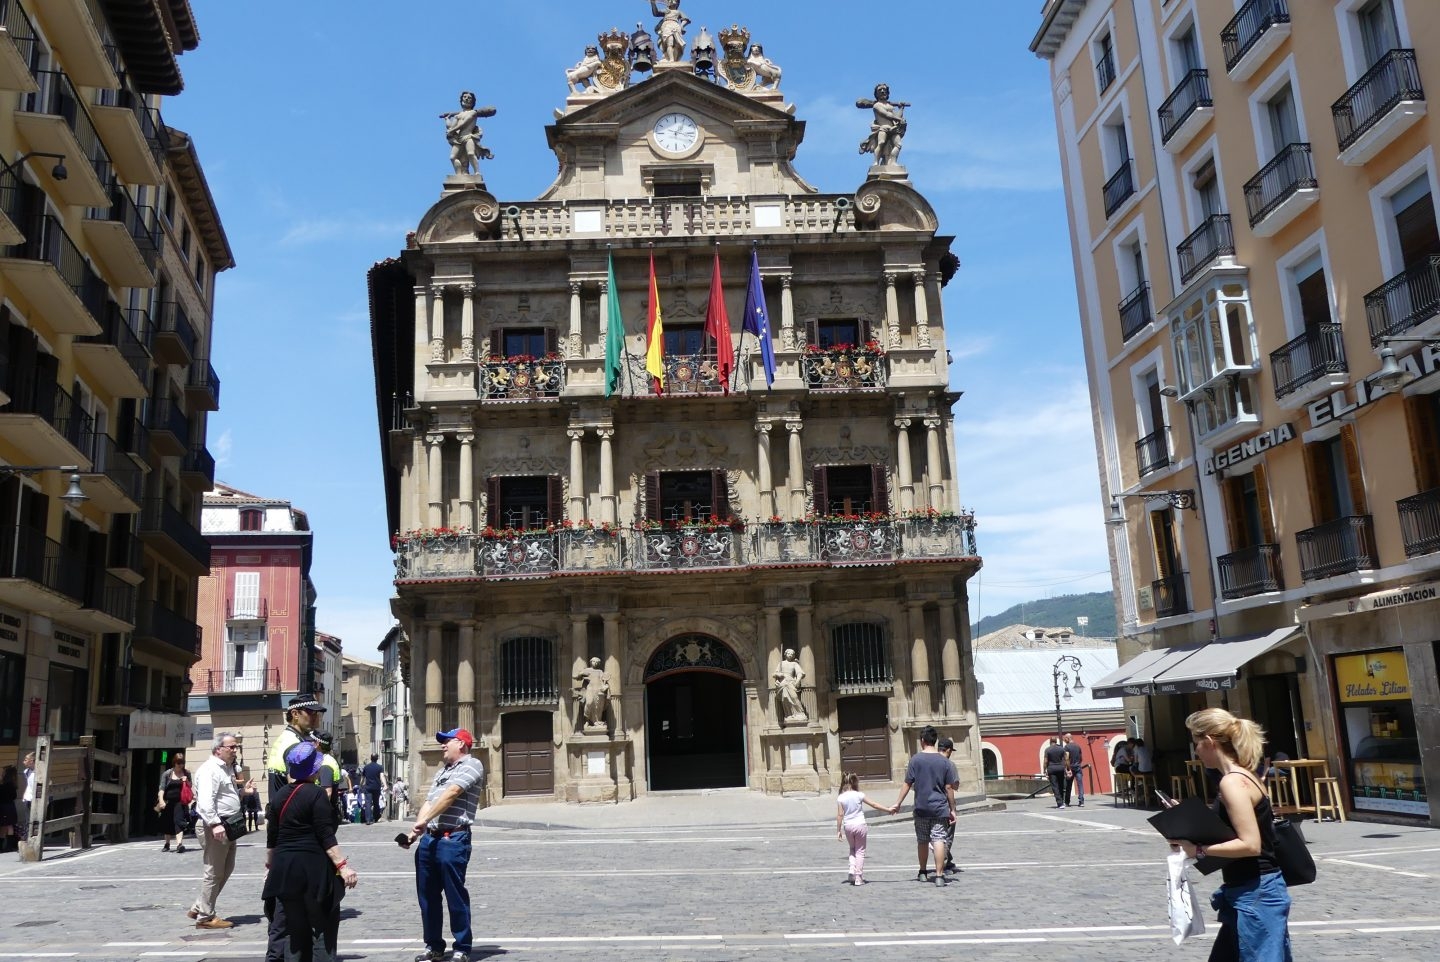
(1123, 789)
(1142, 784)
(1327, 799)
(1281, 790)
(1180, 786)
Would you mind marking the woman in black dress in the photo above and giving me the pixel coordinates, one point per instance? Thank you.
(174, 814)
(306, 871)
(9, 814)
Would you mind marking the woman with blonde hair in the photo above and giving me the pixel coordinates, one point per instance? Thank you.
(1253, 902)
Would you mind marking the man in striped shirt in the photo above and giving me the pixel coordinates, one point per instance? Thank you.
(443, 830)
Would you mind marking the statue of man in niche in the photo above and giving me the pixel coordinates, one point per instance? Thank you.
(788, 678)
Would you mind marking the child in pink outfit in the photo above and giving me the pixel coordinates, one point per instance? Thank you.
(850, 823)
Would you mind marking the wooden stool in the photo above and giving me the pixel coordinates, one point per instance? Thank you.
(1327, 799)
(1122, 789)
(1141, 787)
(1180, 786)
(1282, 791)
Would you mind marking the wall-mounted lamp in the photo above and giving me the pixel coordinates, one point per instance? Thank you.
(1391, 376)
(1181, 499)
(74, 495)
(58, 171)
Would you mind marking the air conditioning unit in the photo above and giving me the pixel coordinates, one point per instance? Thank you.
(1146, 597)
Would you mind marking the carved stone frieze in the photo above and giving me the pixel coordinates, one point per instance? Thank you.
(854, 454)
(838, 301)
(687, 448)
(525, 466)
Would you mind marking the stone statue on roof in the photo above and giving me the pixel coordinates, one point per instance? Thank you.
(671, 29)
(463, 134)
(887, 129)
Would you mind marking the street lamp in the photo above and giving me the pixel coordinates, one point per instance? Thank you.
(1182, 499)
(74, 495)
(58, 171)
(1059, 675)
(1391, 376)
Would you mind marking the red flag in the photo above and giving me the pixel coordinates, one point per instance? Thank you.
(655, 334)
(717, 327)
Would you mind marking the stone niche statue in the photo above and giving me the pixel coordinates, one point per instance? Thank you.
(463, 134)
(593, 689)
(887, 129)
(788, 678)
(670, 29)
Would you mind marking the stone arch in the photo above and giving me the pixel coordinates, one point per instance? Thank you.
(739, 634)
(995, 753)
(693, 651)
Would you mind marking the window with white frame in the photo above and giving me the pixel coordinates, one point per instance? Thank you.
(1311, 293)
(246, 658)
(1379, 31)
(1103, 50)
(246, 603)
(1412, 214)
(1282, 120)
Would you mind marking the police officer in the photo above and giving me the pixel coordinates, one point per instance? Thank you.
(332, 778)
(302, 717)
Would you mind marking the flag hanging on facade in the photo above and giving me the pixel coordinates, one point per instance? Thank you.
(757, 319)
(614, 333)
(717, 327)
(655, 334)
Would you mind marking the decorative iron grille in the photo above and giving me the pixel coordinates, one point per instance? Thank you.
(526, 672)
(860, 656)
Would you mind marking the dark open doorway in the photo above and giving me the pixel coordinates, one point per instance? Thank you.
(695, 731)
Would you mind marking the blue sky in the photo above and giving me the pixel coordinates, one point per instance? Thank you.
(317, 123)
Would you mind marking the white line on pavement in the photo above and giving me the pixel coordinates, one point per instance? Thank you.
(1403, 928)
(1072, 821)
(947, 942)
(1379, 868)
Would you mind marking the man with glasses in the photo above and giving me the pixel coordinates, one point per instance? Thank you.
(216, 799)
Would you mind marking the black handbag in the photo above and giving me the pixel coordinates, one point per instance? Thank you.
(1292, 854)
(235, 826)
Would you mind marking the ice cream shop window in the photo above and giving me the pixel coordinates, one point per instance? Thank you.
(1382, 747)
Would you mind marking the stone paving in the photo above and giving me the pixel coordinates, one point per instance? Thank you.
(724, 876)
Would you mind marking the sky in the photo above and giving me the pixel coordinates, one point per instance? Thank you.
(317, 123)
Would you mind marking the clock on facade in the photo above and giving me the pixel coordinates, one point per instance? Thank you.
(676, 133)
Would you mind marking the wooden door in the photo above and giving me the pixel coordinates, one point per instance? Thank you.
(528, 754)
(865, 737)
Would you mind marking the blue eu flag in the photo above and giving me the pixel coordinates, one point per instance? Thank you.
(757, 319)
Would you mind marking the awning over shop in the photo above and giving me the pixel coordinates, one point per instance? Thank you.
(1188, 668)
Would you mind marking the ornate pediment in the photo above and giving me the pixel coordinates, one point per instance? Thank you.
(677, 89)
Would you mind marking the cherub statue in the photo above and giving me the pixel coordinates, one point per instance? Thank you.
(582, 76)
(463, 135)
(887, 129)
(671, 29)
(765, 69)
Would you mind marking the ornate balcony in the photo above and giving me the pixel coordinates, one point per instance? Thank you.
(116, 357)
(1170, 597)
(1420, 522)
(54, 119)
(1337, 547)
(522, 378)
(17, 48)
(239, 682)
(1250, 571)
(1308, 358)
(1186, 110)
(1256, 31)
(1406, 301)
(688, 546)
(517, 553)
(844, 368)
(1211, 240)
(685, 375)
(1152, 452)
(1381, 106)
(1120, 186)
(1135, 311)
(1281, 190)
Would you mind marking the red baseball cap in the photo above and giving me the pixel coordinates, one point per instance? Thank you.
(460, 733)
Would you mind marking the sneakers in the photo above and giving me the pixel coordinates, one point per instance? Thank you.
(435, 956)
(850, 879)
(215, 923)
(940, 880)
(1081, 803)
(859, 880)
(179, 849)
(458, 956)
(922, 876)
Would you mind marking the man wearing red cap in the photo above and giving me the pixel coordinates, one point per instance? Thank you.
(442, 828)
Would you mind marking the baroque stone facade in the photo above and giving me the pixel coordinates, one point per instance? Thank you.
(550, 506)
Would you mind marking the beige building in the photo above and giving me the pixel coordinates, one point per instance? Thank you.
(109, 246)
(360, 685)
(684, 539)
(1251, 203)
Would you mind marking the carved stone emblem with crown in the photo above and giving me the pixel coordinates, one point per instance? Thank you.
(614, 72)
(735, 67)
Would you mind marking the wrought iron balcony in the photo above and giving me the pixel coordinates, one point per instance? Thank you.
(113, 597)
(1393, 80)
(1213, 238)
(253, 609)
(1420, 522)
(518, 553)
(169, 427)
(175, 336)
(202, 387)
(46, 243)
(1190, 95)
(1250, 24)
(121, 360)
(1120, 186)
(1105, 71)
(240, 682)
(159, 518)
(140, 232)
(119, 469)
(19, 36)
(1250, 571)
(1291, 171)
(1135, 311)
(1152, 452)
(1310, 356)
(688, 546)
(124, 552)
(198, 467)
(57, 97)
(1405, 301)
(26, 554)
(1337, 547)
(685, 374)
(1169, 595)
(843, 368)
(521, 378)
(159, 623)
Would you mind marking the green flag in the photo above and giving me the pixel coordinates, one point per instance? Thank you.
(614, 333)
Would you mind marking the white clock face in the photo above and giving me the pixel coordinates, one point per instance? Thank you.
(676, 133)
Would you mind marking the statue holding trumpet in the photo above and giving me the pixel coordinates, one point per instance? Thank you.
(463, 134)
(887, 129)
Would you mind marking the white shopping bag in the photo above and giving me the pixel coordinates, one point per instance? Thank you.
(1185, 917)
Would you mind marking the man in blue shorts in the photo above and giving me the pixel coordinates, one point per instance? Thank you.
(934, 780)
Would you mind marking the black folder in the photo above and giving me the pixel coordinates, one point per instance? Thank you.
(1193, 821)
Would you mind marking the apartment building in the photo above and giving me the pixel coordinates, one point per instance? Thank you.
(358, 733)
(1251, 192)
(394, 714)
(681, 527)
(109, 246)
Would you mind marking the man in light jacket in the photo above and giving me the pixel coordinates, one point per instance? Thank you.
(216, 798)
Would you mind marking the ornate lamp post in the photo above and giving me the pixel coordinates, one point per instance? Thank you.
(1059, 675)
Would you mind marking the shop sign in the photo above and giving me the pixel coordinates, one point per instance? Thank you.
(153, 729)
(1249, 448)
(1393, 599)
(1372, 676)
(1348, 400)
(12, 631)
(70, 647)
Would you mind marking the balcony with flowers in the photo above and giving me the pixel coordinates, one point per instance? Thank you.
(689, 543)
(844, 367)
(522, 377)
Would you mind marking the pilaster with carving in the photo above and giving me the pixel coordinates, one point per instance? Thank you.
(437, 323)
(467, 322)
(787, 314)
(892, 308)
(922, 310)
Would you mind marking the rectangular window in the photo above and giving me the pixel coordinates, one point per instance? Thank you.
(1312, 293)
(851, 489)
(526, 672)
(680, 188)
(1284, 122)
(1207, 190)
(1336, 487)
(1104, 62)
(687, 496)
(68, 693)
(525, 341)
(1243, 512)
(525, 502)
(1187, 53)
(684, 340)
(185, 240)
(1413, 208)
(246, 602)
(344, 699)
(12, 690)
(832, 333)
(1423, 414)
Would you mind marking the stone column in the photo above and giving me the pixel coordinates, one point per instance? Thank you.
(892, 309)
(434, 478)
(951, 462)
(787, 314)
(774, 648)
(906, 473)
(467, 480)
(465, 676)
(764, 480)
(574, 346)
(422, 336)
(608, 506)
(577, 473)
(613, 667)
(433, 685)
(579, 649)
(950, 659)
(922, 311)
(920, 701)
(605, 318)
(934, 464)
(437, 324)
(467, 322)
(419, 485)
(805, 637)
(797, 472)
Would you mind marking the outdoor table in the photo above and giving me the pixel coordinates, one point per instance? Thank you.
(1303, 769)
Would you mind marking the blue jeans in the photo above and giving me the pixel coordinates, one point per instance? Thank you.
(440, 864)
(1253, 921)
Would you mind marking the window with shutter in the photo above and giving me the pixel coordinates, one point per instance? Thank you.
(652, 496)
(1354, 476)
(880, 488)
(492, 503)
(525, 341)
(247, 595)
(821, 482)
(1422, 415)
(720, 496)
(689, 496)
(1262, 498)
(525, 502)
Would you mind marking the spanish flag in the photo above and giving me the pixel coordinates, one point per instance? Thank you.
(655, 334)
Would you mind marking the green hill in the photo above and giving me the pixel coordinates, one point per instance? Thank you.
(1057, 612)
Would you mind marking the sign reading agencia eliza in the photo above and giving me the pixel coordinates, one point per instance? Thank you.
(1249, 448)
(1340, 403)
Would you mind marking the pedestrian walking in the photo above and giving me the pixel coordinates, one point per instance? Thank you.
(216, 799)
(946, 747)
(934, 781)
(250, 805)
(27, 797)
(850, 823)
(1253, 902)
(372, 780)
(400, 796)
(1075, 762)
(302, 716)
(172, 803)
(305, 871)
(1056, 769)
(9, 808)
(442, 827)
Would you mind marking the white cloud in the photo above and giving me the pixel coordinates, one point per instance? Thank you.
(320, 229)
(222, 447)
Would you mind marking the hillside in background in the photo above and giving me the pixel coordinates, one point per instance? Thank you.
(1057, 612)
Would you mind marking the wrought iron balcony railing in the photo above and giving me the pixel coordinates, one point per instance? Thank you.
(1406, 300)
(843, 368)
(26, 553)
(1105, 71)
(1248, 25)
(1213, 238)
(115, 331)
(1191, 94)
(1250, 571)
(1120, 186)
(1337, 547)
(204, 381)
(139, 223)
(1315, 353)
(251, 609)
(240, 682)
(166, 415)
(1152, 452)
(154, 620)
(1420, 522)
(57, 97)
(1290, 171)
(112, 596)
(107, 458)
(521, 378)
(200, 462)
(20, 30)
(1393, 79)
(1170, 597)
(1135, 311)
(175, 322)
(160, 517)
(685, 374)
(687, 546)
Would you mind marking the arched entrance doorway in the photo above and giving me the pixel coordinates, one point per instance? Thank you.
(694, 715)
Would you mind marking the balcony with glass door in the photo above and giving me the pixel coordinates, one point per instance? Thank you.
(1308, 364)
(1408, 303)
(1338, 547)
(1135, 312)
(1213, 340)
(1382, 105)
(1208, 244)
(1256, 31)
(1250, 571)
(1282, 190)
(1420, 522)
(1188, 108)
